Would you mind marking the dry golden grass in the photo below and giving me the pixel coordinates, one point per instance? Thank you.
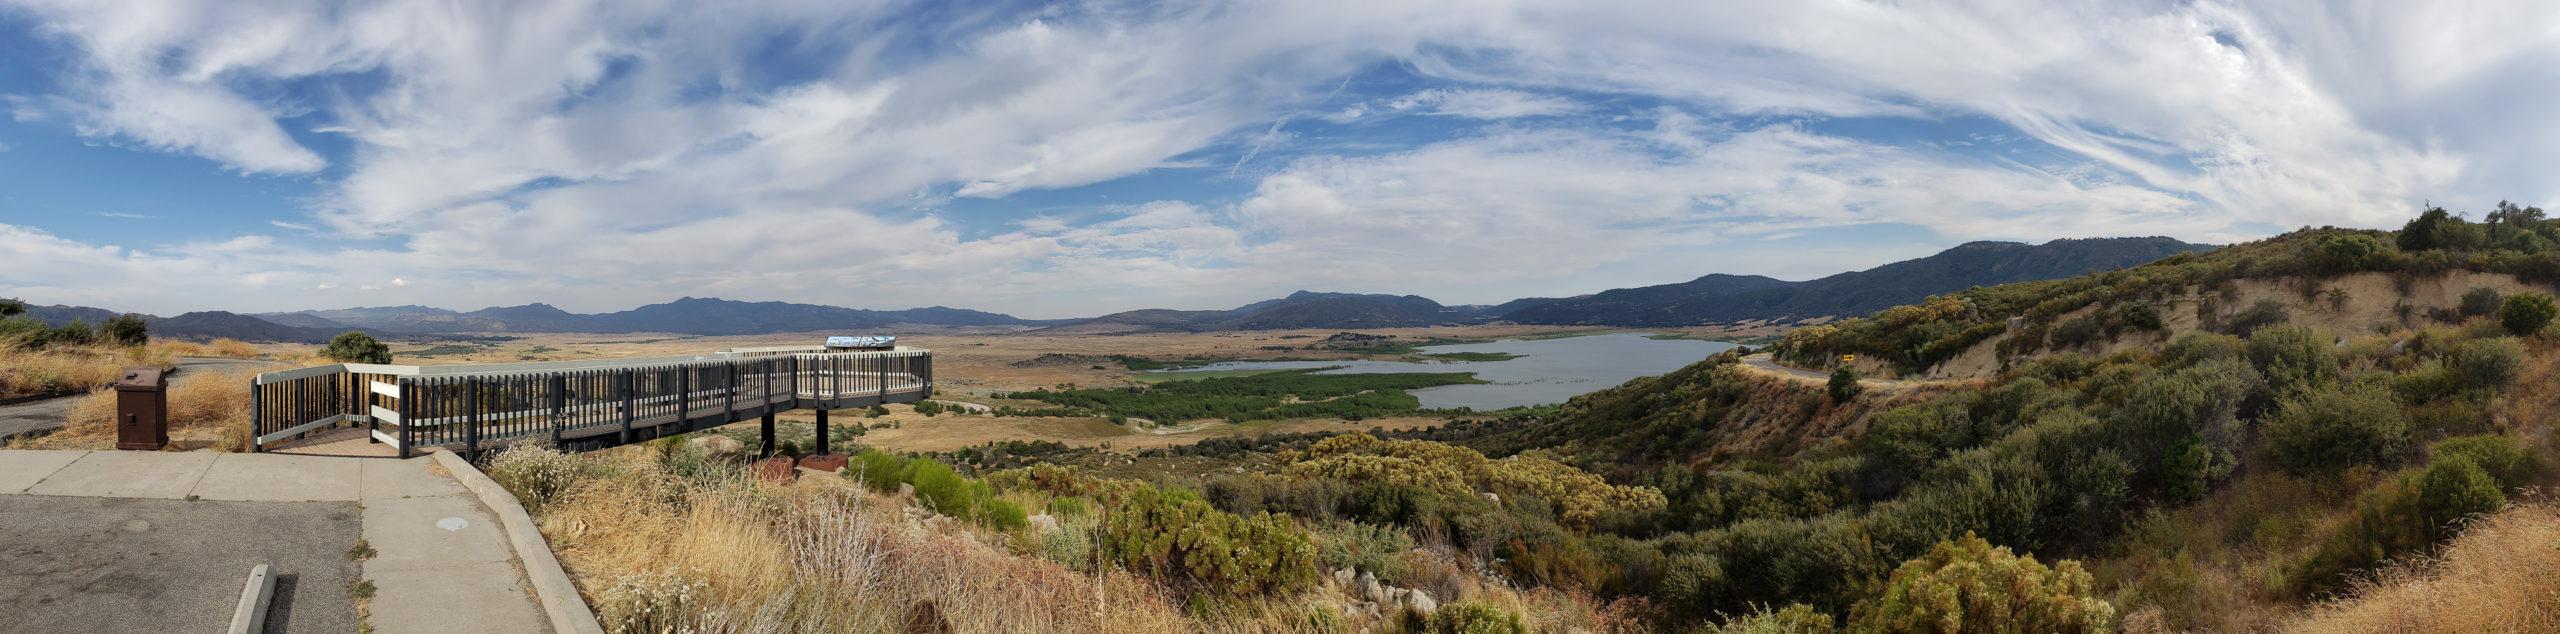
(233, 348)
(653, 551)
(179, 348)
(205, 411)
(2501, 575)
(61, 370)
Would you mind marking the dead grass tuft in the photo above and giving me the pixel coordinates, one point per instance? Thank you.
(65, 370)
(2501, 575)
(233, 348)
(657, 551)
(209, 411)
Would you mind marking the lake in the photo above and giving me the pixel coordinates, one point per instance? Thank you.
(1547, 370)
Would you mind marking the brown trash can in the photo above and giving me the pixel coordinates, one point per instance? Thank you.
(142, 409)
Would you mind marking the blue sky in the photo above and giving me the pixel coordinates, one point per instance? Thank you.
(1075, 158)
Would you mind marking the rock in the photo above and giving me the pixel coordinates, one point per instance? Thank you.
(777, 469)
(717, 445)
(1370, 590)
(1488, 495)
(1342, 578)
(906, 490)
(825, 462)
(1043, 524)
(1421, 602)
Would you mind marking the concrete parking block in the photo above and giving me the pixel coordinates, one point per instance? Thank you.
(129, 474)
(277, 478)
(484, 597)
(388, 479)
(22, 469)
(412, 533)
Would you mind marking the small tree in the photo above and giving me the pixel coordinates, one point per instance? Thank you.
(1844, 385)
(357, 347)
(1968, 585)
(127, 329)
(10, 307)
(2527, 313)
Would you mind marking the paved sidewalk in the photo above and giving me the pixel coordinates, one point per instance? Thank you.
(443, 564)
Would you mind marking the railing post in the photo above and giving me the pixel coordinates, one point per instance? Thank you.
(822, 432)
(684, 395)
(559, 404)
(471, 426)
(257, 415)
(628, 379)
(731, 409)
(408, 416)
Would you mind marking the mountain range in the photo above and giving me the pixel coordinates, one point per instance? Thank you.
(1723, 298)
(1715, 298)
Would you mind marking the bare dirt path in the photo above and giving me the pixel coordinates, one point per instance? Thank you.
(48, 414)
(1765, 364)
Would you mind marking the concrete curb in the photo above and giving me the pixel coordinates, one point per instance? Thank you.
(560, 602)
(251, 615)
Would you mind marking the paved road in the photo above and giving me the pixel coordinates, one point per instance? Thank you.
(144, 541)
(49, 414)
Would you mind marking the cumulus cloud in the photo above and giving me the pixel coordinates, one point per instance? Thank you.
(500, 153)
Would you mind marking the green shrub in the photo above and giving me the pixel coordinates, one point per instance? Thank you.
(2486, 364)
(2076, 332)
(2294, 358)
(2266, 312)
(2343, 253)
(941, 489)
(1175, 536)
(2426, 383)
(537, 475)
(1473, 617)
(357, 347)
(2505, 460)
(125, 330)
(2453, 489)
(2481, 302)
(2525, 314)
(2138, 315)
(1377, 549)
(880, 470)
(1795, 619)
(1844, 385)
(1002, 514)
(2325, 431)
(1970, 586)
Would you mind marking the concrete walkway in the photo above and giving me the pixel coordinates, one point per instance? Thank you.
(442, 562)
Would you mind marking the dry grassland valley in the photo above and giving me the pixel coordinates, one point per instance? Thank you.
(2330, 430)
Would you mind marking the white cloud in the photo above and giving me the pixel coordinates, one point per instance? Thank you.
(1483, 104)
(511, 152)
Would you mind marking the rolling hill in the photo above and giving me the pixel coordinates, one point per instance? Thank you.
(1302, 309)
(1732, 298)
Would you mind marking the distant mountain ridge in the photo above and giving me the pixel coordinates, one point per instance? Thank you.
(687, 315)
(1302, 309)
(1709, 299)
(1734, 298)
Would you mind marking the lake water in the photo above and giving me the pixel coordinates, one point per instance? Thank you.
(1547, 370)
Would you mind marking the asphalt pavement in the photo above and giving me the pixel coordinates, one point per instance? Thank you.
(101, 564)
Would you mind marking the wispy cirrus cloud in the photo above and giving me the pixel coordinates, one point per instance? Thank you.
(1511, 148)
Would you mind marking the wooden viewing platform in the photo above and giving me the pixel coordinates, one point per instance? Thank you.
(585, 404)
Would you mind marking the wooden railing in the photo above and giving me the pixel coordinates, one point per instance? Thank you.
(576, 403)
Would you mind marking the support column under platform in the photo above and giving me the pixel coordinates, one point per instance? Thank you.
(766, 451)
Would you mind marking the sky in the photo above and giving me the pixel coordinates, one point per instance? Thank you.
(1076, 158)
